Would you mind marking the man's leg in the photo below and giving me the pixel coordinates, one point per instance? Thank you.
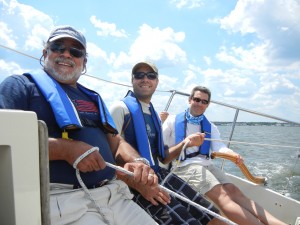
(173, 213)
(124, 209)
(114, 201)
(206, 180)
(254, 208)
(181, 187)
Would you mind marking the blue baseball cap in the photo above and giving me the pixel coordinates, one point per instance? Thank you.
(67, 32)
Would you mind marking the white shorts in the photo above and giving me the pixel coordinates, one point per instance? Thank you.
(73, 206)
(202, 178)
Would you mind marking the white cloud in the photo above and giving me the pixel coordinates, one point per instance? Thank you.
(23, 25)
(8, 68)
(266, 61)
(231, 83)
(273, 22)
(37, 36)
(107, 29)
(155, 44)
(6, 36)
(207, 60)
(94, 51)
(189, 77)
(253, 58)
(166, 82)
(190, 4)
(276, 84)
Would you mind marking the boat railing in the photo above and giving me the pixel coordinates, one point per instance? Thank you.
(236, 108)
(235, 118)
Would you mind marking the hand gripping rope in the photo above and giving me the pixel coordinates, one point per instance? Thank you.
(121, 169)
(85, 189)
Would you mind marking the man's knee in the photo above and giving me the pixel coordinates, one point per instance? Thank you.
(216, 193)
(233, 190)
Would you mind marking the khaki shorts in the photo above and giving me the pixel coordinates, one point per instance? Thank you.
(69, 206)
(202, 178)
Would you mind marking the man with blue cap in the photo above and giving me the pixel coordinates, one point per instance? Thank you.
(82, 138)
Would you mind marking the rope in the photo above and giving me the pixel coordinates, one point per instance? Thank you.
(251, 143)
(181, 157)
(21, 53)
(177, 196)
(85, 189)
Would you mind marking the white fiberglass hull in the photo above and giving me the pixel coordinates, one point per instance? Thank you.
(284, 208)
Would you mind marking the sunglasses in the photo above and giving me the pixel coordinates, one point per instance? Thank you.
(60, 48)
(203, 101)
(141, 75)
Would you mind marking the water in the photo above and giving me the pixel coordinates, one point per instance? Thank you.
(281, 166)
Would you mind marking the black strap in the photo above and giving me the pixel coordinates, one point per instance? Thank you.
(191, 155)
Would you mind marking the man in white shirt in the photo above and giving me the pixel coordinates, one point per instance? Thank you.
(196, 166)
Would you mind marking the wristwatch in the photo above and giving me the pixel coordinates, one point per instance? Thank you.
(143, 160)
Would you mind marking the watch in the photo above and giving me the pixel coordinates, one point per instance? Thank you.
(143, 160)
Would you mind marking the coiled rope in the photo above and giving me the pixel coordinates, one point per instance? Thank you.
(85, 189)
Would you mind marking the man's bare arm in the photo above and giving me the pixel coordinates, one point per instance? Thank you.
(69, 150)
(174, 151)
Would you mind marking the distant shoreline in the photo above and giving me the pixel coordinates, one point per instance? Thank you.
(277, 124)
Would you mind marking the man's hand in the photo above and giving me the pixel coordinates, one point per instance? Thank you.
(143, 174)
(238, 158)
(145, 182)
(69, 150)
(92, 162)
(154, 194)
(163, 116)
(196, 139)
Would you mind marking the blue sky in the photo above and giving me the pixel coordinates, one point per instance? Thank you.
(247, 51)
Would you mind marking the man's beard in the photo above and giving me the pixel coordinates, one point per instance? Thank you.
(61, 75)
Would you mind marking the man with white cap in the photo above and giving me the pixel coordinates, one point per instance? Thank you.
(138, 122)
(83, 189)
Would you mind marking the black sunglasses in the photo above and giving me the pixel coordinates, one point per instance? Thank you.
(203, 101)
(141, 75)
(60, 48)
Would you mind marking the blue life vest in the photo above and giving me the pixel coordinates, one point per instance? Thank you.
(180, 134)
(139, 136)
(64, 111)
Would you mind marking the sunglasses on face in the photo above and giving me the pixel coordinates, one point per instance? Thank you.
(141, 75)
(203, 101)
(60, 48)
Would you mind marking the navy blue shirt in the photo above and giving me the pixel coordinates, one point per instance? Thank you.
(20, 92)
